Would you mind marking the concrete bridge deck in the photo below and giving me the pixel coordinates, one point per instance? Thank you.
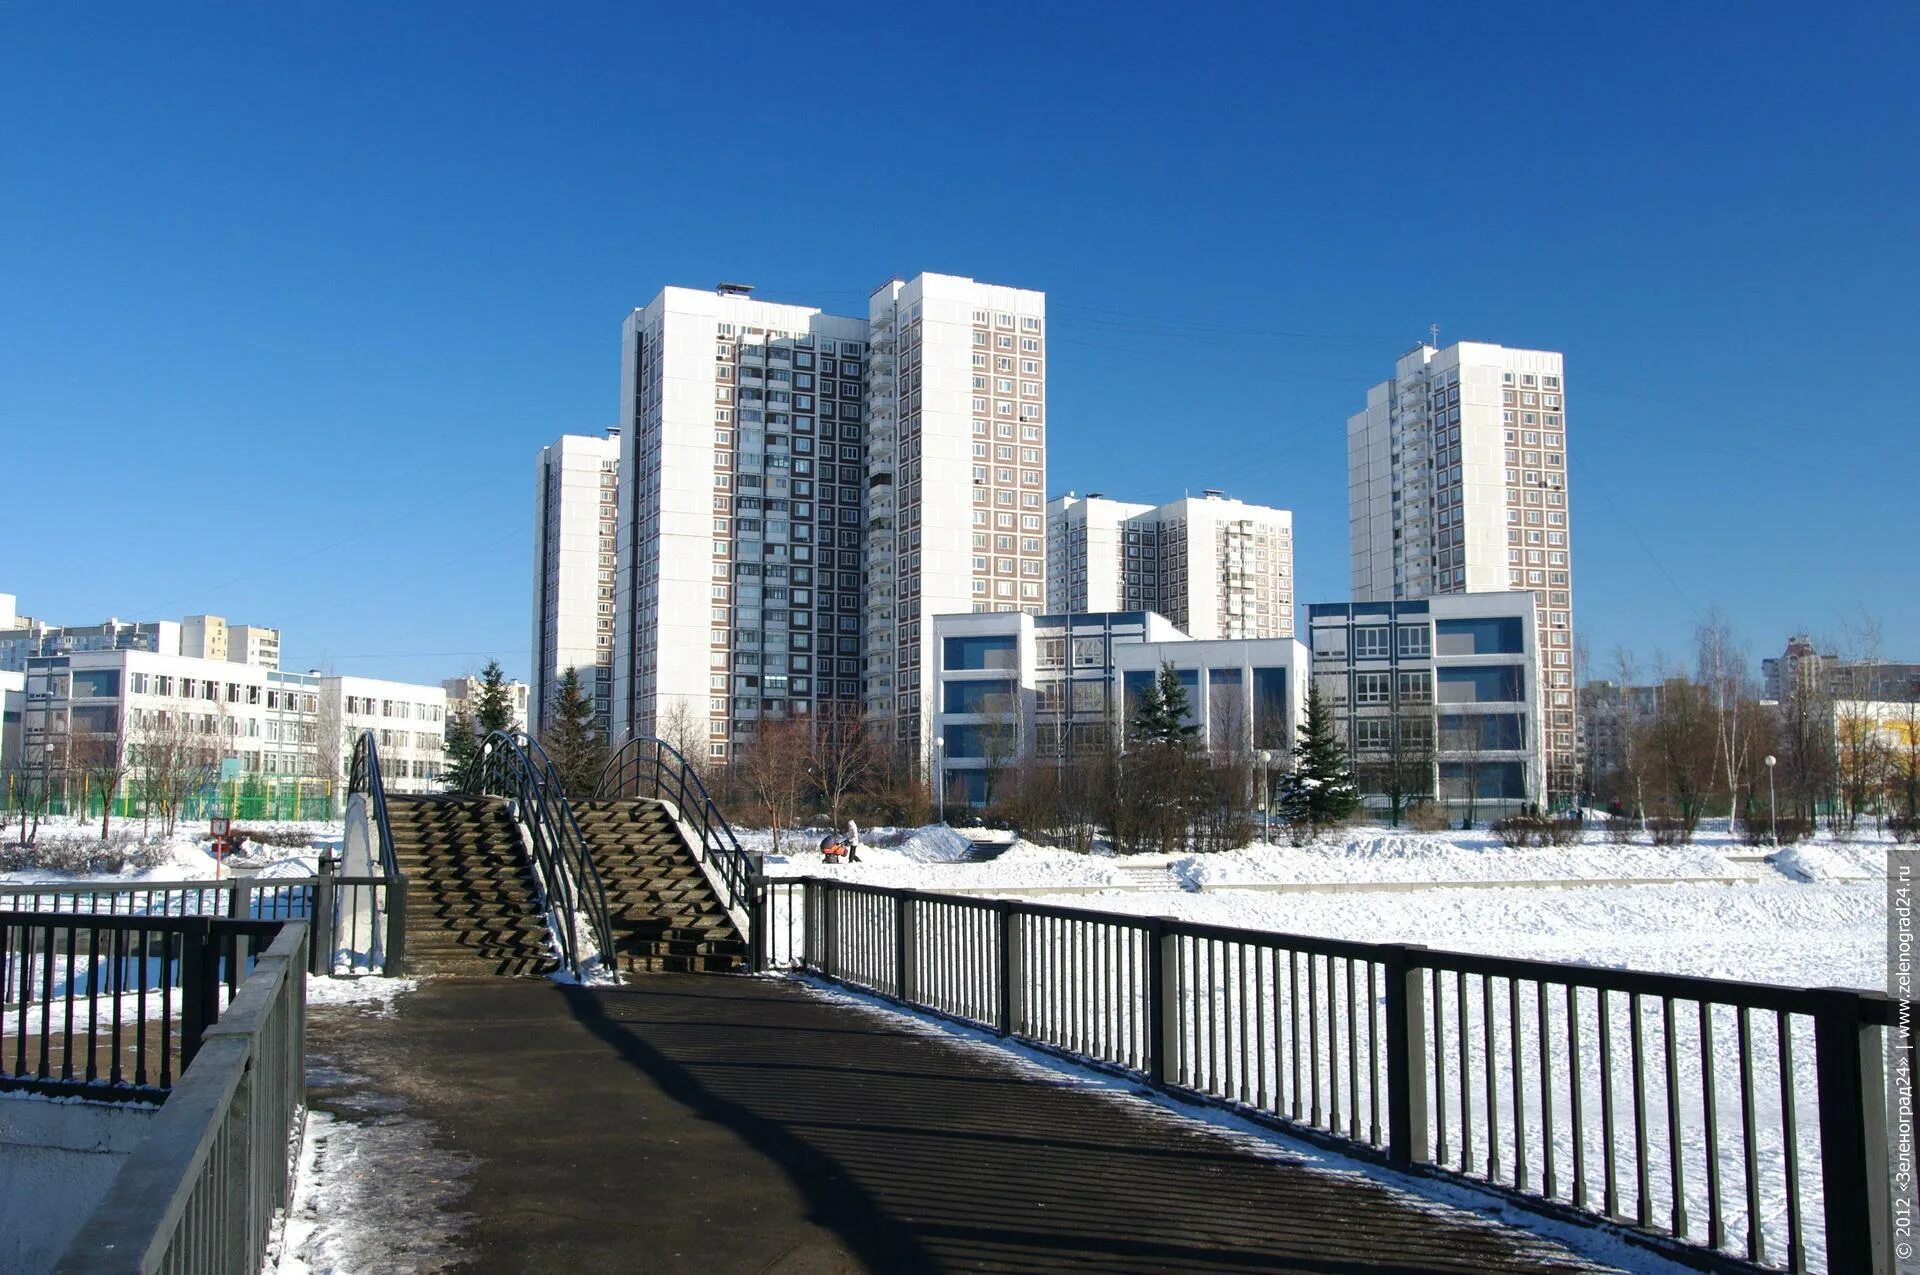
(720, 1124)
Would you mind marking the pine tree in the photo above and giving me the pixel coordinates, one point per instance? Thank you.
(1162, 716)
(1319, 791)
(571, 741)
(493, 708)
(462, 749)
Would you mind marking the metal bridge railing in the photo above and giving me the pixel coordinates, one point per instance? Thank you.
(102, 1006)
(649, 767)
(200, 1190)
(358, 922)
(510, 764)
(1739, 1123)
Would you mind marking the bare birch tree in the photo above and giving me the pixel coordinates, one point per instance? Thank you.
(773, 767)
(100, 757)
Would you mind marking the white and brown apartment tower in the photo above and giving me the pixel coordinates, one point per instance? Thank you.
(956, 474)
(1457, 483)
(1216, 567)
(576, 486)
(742, 476)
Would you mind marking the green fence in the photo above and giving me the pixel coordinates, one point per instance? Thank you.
(256, 798)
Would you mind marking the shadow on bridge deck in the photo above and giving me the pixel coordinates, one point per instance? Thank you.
(714, 1124)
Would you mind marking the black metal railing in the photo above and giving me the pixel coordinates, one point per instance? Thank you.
(514, 766)
(364, 779)
(106, 1006)
(1743, 1120)
(652, 768)
(358, 923)
(200, 1190)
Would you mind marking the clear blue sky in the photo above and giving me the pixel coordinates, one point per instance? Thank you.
(291, 294)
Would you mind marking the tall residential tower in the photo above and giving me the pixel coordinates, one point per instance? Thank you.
(1216, 567)
(576, 483)
(1457, 483)
(742, 475)
(956, 474)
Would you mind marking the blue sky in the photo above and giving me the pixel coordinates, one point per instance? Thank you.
(290, 295)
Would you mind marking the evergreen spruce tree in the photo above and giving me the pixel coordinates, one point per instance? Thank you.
(493, 708)
(462, 749)
(1319, 791)
(1162, 715)
(571, 740)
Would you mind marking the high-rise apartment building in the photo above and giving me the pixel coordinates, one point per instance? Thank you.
(253, 644)
(1457, 483)
(956, 473)
(740, 541)
(1216, 567)
(575, 493)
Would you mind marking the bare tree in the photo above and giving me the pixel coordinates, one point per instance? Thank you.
(33, 778)
(842, 756)
(999, 748)
(100, 756)
(1466, 742)
(1722, 671)
(1679, 742)
(175, 754)
(1400, 768)
(686, 732)
(773, 766)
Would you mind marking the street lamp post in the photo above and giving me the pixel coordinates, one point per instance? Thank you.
(940, 774)
(1266, 793)
(1773, 818)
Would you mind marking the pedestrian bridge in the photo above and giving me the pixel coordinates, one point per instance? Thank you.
(1445, 1110)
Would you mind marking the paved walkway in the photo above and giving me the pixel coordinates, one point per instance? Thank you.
(715, 1124)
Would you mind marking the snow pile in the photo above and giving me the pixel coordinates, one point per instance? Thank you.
(371, 993)
(1831, 861)
(187, 854)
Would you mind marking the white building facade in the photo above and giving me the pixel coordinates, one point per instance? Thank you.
(265, 721)
(1457, 483)
(1452, 680)
(408, 723)
(742, 470)
(575, 547)
(1013, 686)
(1216, 567)
(956, 475)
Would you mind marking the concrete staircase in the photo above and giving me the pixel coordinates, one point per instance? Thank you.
(471, 903)
(665, 915)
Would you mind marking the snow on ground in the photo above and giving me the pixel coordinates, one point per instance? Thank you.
(1812, 914)
(187, 854)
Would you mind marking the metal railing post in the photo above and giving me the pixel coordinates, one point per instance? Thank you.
(1163, 981)
(237, 901)
(1854, 1166)
(829, 931)
(757, 922)
(393, 954)
(199, 984)
(323, 938)
(1406, 1056)
(1013, 959)
(903, 946)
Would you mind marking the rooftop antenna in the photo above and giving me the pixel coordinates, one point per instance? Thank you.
(1433, 330)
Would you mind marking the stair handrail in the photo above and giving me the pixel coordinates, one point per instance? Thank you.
(647, 761)
(512, 764)
(363, 777)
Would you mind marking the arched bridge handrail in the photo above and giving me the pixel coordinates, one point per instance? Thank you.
(511, 764)
(646, 766)
(363, 777)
